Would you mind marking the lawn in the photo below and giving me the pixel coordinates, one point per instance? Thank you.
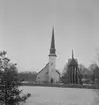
(61, 96)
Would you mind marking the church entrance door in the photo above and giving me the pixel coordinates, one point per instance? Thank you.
(51, 80)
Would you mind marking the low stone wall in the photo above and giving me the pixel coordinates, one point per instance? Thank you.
(64, 85)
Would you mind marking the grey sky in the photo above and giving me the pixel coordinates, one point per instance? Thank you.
(26, 25)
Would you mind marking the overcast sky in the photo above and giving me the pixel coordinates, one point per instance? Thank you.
(26, 29)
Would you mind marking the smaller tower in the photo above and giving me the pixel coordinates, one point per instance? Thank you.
(73, 71)
(52, 58)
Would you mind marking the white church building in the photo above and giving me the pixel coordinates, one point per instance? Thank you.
(49, 74)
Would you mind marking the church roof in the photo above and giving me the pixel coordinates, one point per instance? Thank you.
(47, 72)
(43, 68)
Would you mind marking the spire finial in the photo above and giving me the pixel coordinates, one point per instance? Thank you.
(72, 54)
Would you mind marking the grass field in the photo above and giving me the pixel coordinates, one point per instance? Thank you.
(61, 96)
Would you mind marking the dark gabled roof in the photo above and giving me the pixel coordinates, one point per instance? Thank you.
(73, 62)
(47, 72)
(43, 68)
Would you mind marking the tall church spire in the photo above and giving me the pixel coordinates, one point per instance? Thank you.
(52, 48)
(53, 41)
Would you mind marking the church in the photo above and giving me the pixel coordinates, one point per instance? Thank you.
(49, 74)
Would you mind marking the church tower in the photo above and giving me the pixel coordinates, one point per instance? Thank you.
(52, 59)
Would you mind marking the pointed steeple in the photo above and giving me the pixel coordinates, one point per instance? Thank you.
(52, 41)
(72, 54)
(52, 48)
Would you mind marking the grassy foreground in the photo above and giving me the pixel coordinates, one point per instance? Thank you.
(92, 86)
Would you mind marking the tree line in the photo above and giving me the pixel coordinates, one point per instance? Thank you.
(89, 75)
(28, 76)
